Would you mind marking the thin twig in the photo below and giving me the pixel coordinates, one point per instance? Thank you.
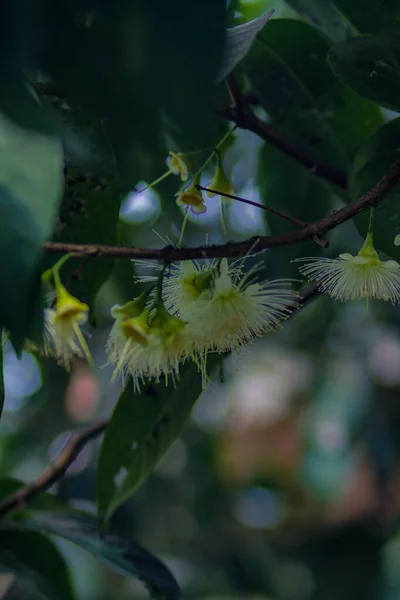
(236, 249)
(253, 203)
(78, 271)
(308, 293)
(21, 497)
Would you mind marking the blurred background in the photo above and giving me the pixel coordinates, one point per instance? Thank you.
(286, 483)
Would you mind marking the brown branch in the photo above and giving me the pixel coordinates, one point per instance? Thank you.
(21, 497)
(248, 120)
(236, 249)
(307, 294)
(242, 114)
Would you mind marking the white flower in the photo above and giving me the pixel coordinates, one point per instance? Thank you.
(147, 347)
(127, 332)
(351, 277)
(225, 309)
(161, 357)
(63, 338)
(177, 165)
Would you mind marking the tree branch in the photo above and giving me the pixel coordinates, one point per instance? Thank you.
(253, 245)
(242, 114)
(248, 120)
(21, 497)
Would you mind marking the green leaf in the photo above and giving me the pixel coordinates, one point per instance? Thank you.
(36, 562)
(94, 55)
(370, 64)
(91, 201)
(311, 201)
(287, 70)
(370, 165)
(323, 15)
(30, 188)
(371, 16)
(238, 42)
(123, 556)
(142, 428)
(21, 37)
(2, 389)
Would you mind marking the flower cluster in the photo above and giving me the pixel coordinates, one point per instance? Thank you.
(189, 196)
(210, 307)
(145, 343)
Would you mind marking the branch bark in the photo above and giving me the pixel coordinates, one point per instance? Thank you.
(21, 497)
(243, 116)
(253, 245)
(248, 120)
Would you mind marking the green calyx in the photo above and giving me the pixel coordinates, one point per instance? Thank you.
(131, 309)
(165, 325)
(203, 281)
(219, 182)
(368, 250)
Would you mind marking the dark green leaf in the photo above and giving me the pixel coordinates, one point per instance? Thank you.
(323, 15)
(288, 72)
(238, 42)
(152, 55)
(371, 16)
(301, 196)
(142, 428)
(2, 390)
(30, 188)
(20, 43)
(370, 65)
(370, 165)
(90, 206)
(36, 563)
(123, 556)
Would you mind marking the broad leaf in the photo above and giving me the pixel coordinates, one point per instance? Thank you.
(36, 563)
(371, 16)
(301, 196)
(370, 65)
(30, 189)
(142, 428)
(238, 42)
(90, 205)
(20, 39)
(2, 389)
(287, 70)
(123, 556)
(103, 58)
(370, 165)
(323, 15)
